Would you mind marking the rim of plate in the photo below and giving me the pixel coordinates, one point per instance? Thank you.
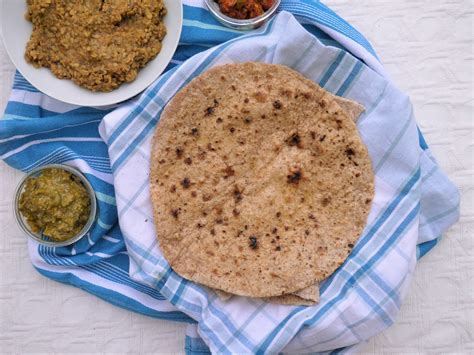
(16, 32)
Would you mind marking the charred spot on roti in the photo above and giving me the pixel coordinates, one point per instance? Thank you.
(277, 104)
(228, 172)
(294, 140)
(326, 201)
(209, 111)
(349, 152)
(210, 147)
(294, 177)
(186, 183)
(253, 242)
(175, 212)
(237, 194)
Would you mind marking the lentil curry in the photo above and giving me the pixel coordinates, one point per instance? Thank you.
(55, 202)
(98, 44)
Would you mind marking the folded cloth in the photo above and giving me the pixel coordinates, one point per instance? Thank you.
(364, 295)
(414, 203)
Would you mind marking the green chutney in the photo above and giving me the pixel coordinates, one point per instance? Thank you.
(56, 202)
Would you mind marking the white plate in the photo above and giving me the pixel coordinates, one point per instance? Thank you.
(16, 33)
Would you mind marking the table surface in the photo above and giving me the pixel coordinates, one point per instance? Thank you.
(427, 48)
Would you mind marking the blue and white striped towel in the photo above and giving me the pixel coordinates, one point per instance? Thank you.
(414, 201)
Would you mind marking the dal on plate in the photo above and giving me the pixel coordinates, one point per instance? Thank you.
(97, 44)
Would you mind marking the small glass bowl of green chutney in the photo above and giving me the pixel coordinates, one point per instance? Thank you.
(55, 205)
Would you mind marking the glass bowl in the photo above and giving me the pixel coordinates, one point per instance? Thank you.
(241, 24)
(39, 237)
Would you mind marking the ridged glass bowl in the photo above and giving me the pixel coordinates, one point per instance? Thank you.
(241, 24)
(39, 237)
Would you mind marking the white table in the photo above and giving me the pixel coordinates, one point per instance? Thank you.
(427, 47)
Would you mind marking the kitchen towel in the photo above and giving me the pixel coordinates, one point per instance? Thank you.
(364, 295)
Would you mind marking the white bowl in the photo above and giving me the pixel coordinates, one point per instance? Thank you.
(16, 32)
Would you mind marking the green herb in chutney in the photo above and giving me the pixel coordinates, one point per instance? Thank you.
(56, 202)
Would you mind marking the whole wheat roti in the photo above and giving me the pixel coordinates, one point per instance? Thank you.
(259, 181)
(310, 295)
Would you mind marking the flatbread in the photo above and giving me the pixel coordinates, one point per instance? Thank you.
(351, 108)
(308, 296)
(259, 180)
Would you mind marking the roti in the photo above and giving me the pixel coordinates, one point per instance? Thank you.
(260, 182)
(308, 296)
